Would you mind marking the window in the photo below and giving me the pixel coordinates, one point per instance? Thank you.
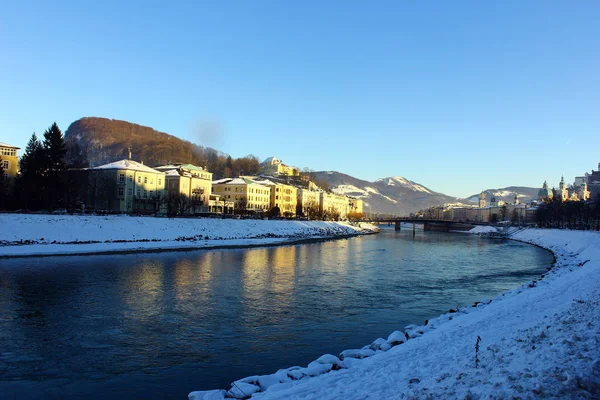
(121, 191)
(121, 177)
(159, 181)
(145, 193)
(139, 179)
(130, 178)
(5, 164)
(151, 181)
(145, 179)
(139, 194)
(130, 192)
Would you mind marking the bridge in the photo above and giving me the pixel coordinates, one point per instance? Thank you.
(440, 225)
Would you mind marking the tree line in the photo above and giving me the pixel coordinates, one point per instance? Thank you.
(569, 214)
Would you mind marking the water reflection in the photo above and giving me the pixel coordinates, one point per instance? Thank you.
(161, 325)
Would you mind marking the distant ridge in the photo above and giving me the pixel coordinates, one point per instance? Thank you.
(392, 195)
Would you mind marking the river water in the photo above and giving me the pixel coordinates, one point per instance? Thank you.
(154, 326)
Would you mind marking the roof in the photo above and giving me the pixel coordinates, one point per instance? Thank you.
(128, 165)
(172, 172)
(270, 160)
(8, 145)
(236, 181)
(190, 167)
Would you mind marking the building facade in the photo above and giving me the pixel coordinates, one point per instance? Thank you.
(188, 187)
(126, 186)
(242, 195)
(333, 206)
(9, 160)
(274, 166)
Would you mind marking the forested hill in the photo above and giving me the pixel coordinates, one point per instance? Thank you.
(93, 141)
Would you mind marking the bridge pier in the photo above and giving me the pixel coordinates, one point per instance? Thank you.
(397, 226)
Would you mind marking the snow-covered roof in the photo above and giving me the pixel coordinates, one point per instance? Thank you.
(270, 160)
(190, 167)
(266, 182)
(128, 165)
(236, 181)
(172, 172)
(8, 145)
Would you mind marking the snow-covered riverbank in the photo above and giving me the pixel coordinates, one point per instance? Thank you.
(539, 340)
(39, 235)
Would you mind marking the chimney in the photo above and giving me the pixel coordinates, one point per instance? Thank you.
(129, 153)
(142, 162)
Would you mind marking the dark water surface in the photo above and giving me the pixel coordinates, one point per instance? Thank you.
(154, 326)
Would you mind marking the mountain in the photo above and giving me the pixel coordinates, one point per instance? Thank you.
(393, 195)
(93, 141)
(507, 194)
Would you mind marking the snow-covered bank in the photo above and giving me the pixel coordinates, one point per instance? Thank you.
(38, 235)
(539, 340)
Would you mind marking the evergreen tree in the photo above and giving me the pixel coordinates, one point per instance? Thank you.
(54, 151)
(54, 148)
(29, 183)
(31, 163)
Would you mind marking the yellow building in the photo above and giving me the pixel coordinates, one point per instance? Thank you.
(189, 186)
(9, 160)
(333, 206)
(309, 201)
(355, 205)
(127, 186)
(283, 196)
(242, 195)
(274, 166)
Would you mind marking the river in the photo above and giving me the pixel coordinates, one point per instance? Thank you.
(157, 326)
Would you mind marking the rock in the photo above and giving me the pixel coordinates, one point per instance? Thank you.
(241, 390)
(377, 343)
(266, 381)
(207, 395)
(295, 373)
(282, 375)
(315, 368)
(331, 359)
(395, 338)
(356, 353)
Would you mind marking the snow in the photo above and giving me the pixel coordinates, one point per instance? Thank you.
(483, 229)
(128, 165)
(36, 234)
(400, 180)
(539, 340)
(375, 191)
(350, 189)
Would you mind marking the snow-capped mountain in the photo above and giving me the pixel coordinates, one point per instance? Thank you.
(507, 194)
(391, 195)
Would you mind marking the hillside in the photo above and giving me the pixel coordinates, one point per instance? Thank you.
(507, 194)
(392, 195)
(93, 141)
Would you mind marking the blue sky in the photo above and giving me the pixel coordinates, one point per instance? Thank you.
(457, 96)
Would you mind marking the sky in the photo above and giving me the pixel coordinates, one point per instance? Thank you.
(457, 96)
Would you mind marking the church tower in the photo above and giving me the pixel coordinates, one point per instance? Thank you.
(482, 199)
(562, 188)
(517, 201)
(545, 194)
